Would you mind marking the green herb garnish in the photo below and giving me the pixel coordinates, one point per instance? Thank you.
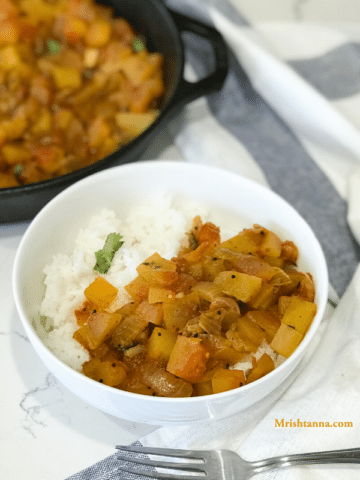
(18, 169)
(138, 44)
(105, 256)
(53, 46)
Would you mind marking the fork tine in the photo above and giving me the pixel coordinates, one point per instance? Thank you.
(188, 467)
(160, 476)
(167, 452)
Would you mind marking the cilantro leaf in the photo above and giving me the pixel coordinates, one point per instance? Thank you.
(53, 46)
(105, 256)
(138, 44)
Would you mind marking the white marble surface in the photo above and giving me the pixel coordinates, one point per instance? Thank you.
(46, 432)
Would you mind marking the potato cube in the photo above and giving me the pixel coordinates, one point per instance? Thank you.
(161, 344)
(299, 314)
(286, 340)
(111, 373)
(14, 154)
(268, 321)
(224, 380)
(67, 77)
(160, 295)
(138, 289)
(98, 132)
(271, 244)
(247, 335)
(264, 365)
(244, 242)
(188, 359)
(135, 123)
(101, 292)
(239, 285)
(98, 33)
(9, 58)
(158, 271)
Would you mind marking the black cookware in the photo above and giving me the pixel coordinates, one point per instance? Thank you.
(163, 30)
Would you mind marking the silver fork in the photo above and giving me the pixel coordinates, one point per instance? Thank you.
(218, 464)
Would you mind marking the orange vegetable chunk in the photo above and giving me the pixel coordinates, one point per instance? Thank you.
(101, 292)
(188, 359)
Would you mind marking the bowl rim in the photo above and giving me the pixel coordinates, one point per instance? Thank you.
(150, 164)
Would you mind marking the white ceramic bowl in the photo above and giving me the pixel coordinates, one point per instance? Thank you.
(54, 229)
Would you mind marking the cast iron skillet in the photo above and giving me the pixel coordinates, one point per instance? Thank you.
(162, 29)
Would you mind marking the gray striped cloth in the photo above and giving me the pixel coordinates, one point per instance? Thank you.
(248, 129)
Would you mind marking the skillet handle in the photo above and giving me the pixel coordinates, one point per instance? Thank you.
(189, 91)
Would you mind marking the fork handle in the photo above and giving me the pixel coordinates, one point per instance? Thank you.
(352, 455)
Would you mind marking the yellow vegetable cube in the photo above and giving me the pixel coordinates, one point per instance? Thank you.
(286, 340)
(271, 245)
(158, 271)
(98, 33)
(14, 154)
(264, 365)
(224, 380)
(101, 292)
(43, 123)
(111, 373)
(67, 77)
(241, 243)
(138, 289)
(99, 130)
(299, 314)
(239, 285)
(160, 295)
(161, 344)
(135, 123)
(9, 58)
